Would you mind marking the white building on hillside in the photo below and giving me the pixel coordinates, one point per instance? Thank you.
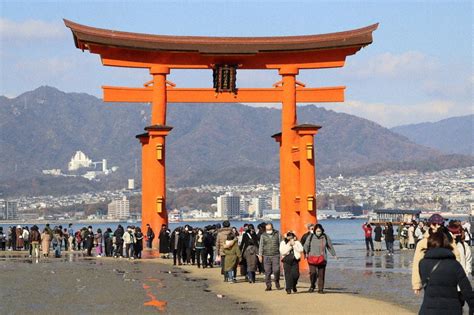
(78, 161)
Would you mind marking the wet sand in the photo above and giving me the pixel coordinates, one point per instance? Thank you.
(76, 284)
(79, 285)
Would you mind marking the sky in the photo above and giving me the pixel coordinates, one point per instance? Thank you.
(419, 67)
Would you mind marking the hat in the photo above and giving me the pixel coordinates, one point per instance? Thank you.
(455, 230)
(436, 219)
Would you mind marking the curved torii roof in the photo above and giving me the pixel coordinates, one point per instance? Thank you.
(86, 35)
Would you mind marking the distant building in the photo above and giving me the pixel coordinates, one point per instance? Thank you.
(275, 200)
(354, 209)
(79, 160)
(228, 205)
(8, 210)
(258, 205)
(119, 209)
(131, 184)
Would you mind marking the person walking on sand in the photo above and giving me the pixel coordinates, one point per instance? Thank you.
(138, 246)
(165, 239)
(98, 242)
(456, 230)
(150, 236)
(200, 249)
(220, 245)
(411, 236)
(367, 227)
(251, 258)
(232, 256)
(269, 255)
(45, 242)
(378, 237)
(441, 276)
(35, 240)
(316, 247)
(389, 238)
(89, 240)
(291, 251)
(436, 223)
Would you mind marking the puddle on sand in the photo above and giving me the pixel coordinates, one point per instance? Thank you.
(160, 305)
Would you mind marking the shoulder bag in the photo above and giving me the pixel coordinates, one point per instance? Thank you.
(316, 260)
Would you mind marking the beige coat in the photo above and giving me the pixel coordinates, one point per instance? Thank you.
(45, 242)
(221, 238)
(420, 250)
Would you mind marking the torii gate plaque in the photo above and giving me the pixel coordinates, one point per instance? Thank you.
(224, 55)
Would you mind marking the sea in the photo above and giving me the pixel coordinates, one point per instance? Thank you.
(339, 230)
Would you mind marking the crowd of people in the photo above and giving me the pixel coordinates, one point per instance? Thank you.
(250, 250)
(119, 243)
(442, 263)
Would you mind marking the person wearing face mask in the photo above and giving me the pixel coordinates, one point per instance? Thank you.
(305, 236)
(316, 247)
(291, 251)
(269, 254)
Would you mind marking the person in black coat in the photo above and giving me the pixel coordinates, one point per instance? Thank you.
(389, 238)
(118, 234)
(89, 240)
(165, 238)
(108, 242)
(441, 275)
(150, 236)
(209, 242)
(249, 237)
(177, 246)
(378, 237)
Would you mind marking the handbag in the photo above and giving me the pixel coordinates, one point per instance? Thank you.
(290, 258)
(316, 260)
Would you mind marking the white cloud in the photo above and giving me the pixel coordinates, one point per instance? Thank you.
(389, 65)
(31, 29)
(390, 115)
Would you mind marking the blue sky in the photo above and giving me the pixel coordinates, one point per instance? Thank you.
(419, 67)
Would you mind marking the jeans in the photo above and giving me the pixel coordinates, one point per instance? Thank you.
(251, 276)
(317, 273)
(129, 250)
(57, 251)
(176, 256)
(389, 245)
(201, 256)
(368, 241)
(119, 249)
(230, 275)
(271, 264)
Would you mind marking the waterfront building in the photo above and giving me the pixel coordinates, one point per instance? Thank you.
(119, 209)
(258, 205)
(8, 210)
(228, 206)
(275, 200)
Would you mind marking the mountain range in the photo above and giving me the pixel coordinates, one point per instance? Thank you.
(210, 143)
(451, 135)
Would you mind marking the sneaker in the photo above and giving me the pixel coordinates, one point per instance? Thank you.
(311, 290)
(268, 289)
(277, 286)
(295, 290)
(320, 291)
(288, 291)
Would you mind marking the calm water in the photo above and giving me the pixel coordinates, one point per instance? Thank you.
(340, 231)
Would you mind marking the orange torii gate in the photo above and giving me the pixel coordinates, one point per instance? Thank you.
(224, 55)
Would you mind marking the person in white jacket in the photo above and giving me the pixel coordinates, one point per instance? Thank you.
(463, 247)
(291, 251)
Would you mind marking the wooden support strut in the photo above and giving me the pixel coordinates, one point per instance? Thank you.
(244, 95)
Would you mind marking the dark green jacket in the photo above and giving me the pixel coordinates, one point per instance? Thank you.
(269, 244)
